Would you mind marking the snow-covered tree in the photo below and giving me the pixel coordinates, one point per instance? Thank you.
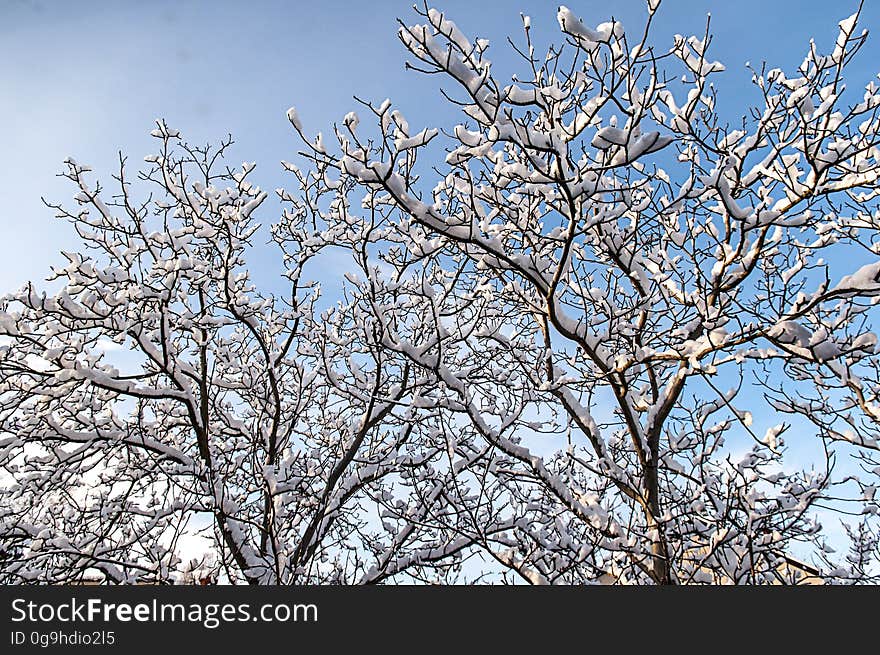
(611, 326)
(641, 306)
(156, 397)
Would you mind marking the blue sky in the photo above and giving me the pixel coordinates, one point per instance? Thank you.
(88, 78)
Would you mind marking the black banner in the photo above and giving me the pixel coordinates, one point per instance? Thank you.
(400, 619)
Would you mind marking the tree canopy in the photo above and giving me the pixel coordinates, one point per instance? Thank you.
(581, 332)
